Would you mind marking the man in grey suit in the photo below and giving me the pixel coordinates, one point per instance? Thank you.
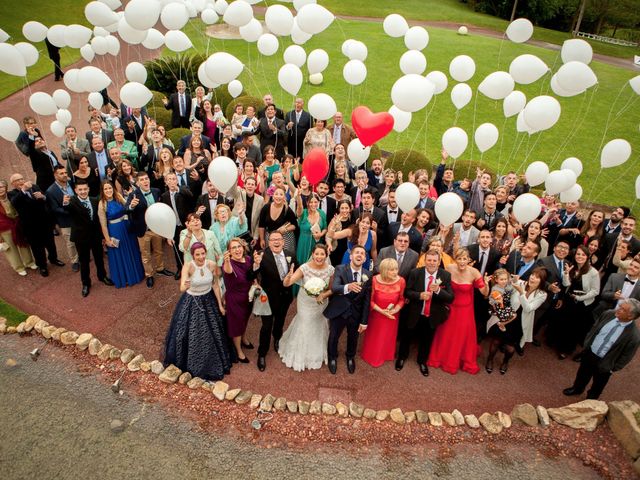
(466, 233)
(73, 148)
(609, 346)
(619, 287)
(400, 251)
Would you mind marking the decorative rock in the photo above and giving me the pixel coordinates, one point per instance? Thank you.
(105, 350)
(68, 338)
(127, 355)
(491, 423)
(20, 328)
(382, 415)
(48, 330)
(3, 328)
(94, 346)
(170, 374)
(11, 362)
(232, 394)
(280, 404)
(195, 382)
(255, 400)
(315, 408)
(543, 416)
(244, 397)
(303, 407)
(208, 386)
(472, 421)
(448, 419)
(422, 416)
(586, 415)
(40, 325)
(435, 419)
(184, 378)
(397, 416)
(156, 367)
(328, 409)
(410, 417)
(145, 366)
(83, 341)
(342, 410)
(31, 322)
(3, 321)
(292, 406)
(525, 413)
(267, 402)
(622, 421)
(369, 413)
(115, 353)
(219, 390)
(56, 333)
(504, 418)
(12, 330)
(117, 426)
(356, 410)
(134, 364)
(457, 416)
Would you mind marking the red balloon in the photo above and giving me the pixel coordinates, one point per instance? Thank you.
(315, 166)
(371, 127)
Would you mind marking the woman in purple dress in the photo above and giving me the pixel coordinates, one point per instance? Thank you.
(238, 278)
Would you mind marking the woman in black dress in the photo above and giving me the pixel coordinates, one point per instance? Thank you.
(276, 215)
(341, 221)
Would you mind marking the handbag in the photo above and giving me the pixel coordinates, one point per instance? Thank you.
(260, 303)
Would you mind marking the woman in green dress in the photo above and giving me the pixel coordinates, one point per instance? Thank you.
(313, 225)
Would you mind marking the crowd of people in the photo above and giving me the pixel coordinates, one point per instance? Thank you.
(342, 248)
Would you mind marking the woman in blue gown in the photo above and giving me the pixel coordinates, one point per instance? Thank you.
(123, 252)
(360, 233)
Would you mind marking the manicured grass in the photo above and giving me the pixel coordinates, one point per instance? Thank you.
(12, 314)
(578, 133)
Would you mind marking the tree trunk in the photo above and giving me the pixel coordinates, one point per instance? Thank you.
(513, 12)
(600, 24)
(615, 29)
(580, 15)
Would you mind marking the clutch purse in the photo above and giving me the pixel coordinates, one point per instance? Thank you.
(261, 303)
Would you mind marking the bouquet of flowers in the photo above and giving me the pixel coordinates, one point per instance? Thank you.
(314, 286)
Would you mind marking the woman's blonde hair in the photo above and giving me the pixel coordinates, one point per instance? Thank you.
(385, 266)
(219, 207)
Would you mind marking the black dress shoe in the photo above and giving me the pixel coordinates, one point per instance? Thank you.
(262, 364)
(276, 344)
(57, 262)
(424, 370)
(351, 365)
(107, 281)
(150, 282)
(177, 275)
(489, 367)
(399, 364)
(333, 366)
(577, 357)
(536, 343)
(166, 273)
(503, 368)
(569, 392)
(243, 360)
(248, 346)
(44, 272)
(75, 267)
(520, 350)
(85, 290)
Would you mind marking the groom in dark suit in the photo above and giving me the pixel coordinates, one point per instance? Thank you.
(348, 307)
(429, 293)
(273, 265)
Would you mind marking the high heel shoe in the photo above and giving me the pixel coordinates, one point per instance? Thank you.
(503, 368)
(489, 367)
(243, 360)
(248, 346)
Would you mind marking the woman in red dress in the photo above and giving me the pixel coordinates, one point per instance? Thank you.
(454, 344)
(387, 288)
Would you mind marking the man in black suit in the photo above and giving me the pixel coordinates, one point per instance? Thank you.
(151, 156)
(272, 131)
(614, 222)
(100, 161)
(31, 205)
(425, 201)
(488, 216)
(627, 227)
(327, 204)
(400, 252)
(392, 211)
(180, 105)
(207, 202)
(126, 111)
(348, 307)
(268, 100)
(43, 161)
(376, 177)
(406, 224)
(150, 243)
(187, 178)
(55, 197)
(180, 199)
(486, 260)
(298, 123)
(196, 129)
(521, 262)
(609, 347)
(564, 226)
(429, 293)
(96, 130)
(86, 233)
(139, 121)
(367, 206)
(618, 287)
(273, 264)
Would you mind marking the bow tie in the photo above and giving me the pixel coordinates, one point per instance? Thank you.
(393, 211)
(627, 279)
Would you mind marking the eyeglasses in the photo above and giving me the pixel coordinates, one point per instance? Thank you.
(402, 241)
(562, 247)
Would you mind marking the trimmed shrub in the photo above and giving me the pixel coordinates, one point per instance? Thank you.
(176, 134)
(222, 97)
(164, 72)
(408, 160)
(157, 111)
(467, 168)
(246, 100)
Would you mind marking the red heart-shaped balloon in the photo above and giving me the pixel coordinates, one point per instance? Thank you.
(371, 127)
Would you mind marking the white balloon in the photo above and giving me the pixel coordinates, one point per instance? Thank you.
(161, 220)
(577, 50)
(526, 69)
(177, 41)
(290, 78)
(100, 32)
(64, 116)
(99, 45)
(357, 51)
(407, 196)
(486, 136)
(295, 55)
(34, 31)
(448, 208)
(155, 39)
(29, 53)
(268, 44)
(222, 67)
(638, 187)
(575, 76)
(57, 128)
(395, 25)
(635, 84)
(413, 61)
(174, 16)
(321, 105)
(4, 36)
(542, 112)
(99, 14)
(401, 119)
(92, 79)
(62, 98)
(570, 178)
(412, 92)
(463, 30)
(204, 78)
(561, 92)
(297, 35)
(279, 20)
(12, 61)
(514, 103)
(354, 72)
(461, 95)
(317, 61)
(72, 80)
(526, 208)
(235, 88)
(96, 100)
(520, 30)
(316, 79)
(615, 153)
(416, 38)
(238, 13)
(209, 16)
(298, 4)
(462, 68)
(9, 129)
(131, 35)
(313, 18)
(358, 153)
(346, 45)
(55, 35)
(536, 173)
(573, 194)
(221, 6)
(574, 164)
(42, 103)
(113, 45)
(223, 173)
(522, 125)
(252, 31)
(455, 141)
(135, 95)
(558, 181)
(142, 14)
(136, 72)
(497, 85)
(87, 53)
(439, 80)
(112, 4)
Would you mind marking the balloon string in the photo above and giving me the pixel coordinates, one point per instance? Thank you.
(500, 50)
(516, 146)
(606, 126)
(175, 249)
(426, 124)
(502, 135)
(528, 154)
(595, 180)
(473, 126)
(610, 184)
(575, 129)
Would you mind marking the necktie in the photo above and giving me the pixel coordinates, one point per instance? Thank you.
(400, 258)
(52, 159)
(426, 311)
(603, 346)
(282, 270)
(156, 151)
(87, 205)
(129, 111)
(298, 114)
(149, 198)
(395, 212)
(183, 180)
(358, 198)
(627, 279)
(482, 266)
(182, 105)
(560, 270)
(175, 208)
(336, 134)
(355, 276)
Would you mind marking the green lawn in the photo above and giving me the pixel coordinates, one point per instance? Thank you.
(12, 314)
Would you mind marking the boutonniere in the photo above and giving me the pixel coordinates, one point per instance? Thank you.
(365, 278)
(288, 259)
(437, 281)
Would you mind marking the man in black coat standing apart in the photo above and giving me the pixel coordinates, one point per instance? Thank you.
(297, 123)
(180, 105)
